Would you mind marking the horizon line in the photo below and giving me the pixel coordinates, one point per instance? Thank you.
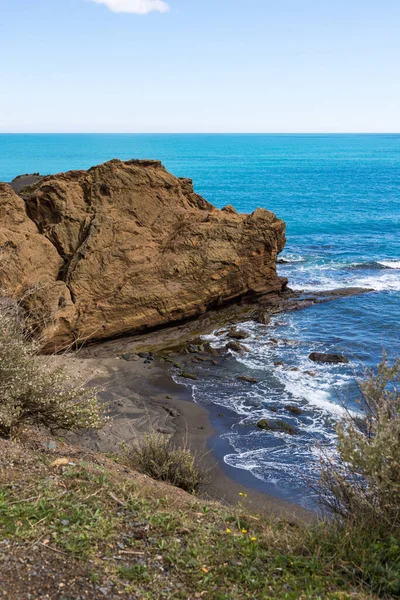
(200, 133)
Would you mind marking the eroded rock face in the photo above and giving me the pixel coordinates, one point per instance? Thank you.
(127, 246)
(29, 270)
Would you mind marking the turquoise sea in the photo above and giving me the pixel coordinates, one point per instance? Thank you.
(340, 198)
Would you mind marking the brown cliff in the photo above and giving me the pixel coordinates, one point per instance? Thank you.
(127, 246)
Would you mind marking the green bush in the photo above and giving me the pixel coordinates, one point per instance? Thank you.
(362, 488)
(157, 457)
(34, 390)
(365, 487)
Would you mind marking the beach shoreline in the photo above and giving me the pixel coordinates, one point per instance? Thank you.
(143, 397)
(141, 381)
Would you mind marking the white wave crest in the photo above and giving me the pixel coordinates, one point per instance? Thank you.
(387, 282)
(292, 258)
(390, 264)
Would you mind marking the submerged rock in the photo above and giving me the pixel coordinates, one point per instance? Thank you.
(328, 358)
(236, 347)
(276, 426)
(187, 375)
(237, 334)
(263, 317)
(247, 379)
(125, 247)
(295, 410)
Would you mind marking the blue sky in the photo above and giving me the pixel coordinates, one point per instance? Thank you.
(200, 66)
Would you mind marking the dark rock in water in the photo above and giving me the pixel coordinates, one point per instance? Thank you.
(208, 349)
(276, 426)
(299, 300)
(328, 358)
(237, 334)
(273, 409)
(310, 373)
(279, 363)
(247, 379)
(282, 261)
(294, 369)
(192, 349)
(236, 347)
(295, 410)
(263, 317)
(273, 341)
(187, 375)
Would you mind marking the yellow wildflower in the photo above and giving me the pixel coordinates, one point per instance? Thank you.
(253, 539)
(228, 531)
(244, 530)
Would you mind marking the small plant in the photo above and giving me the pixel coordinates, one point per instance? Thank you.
(133, 572)
(156, 456)
(35, 391)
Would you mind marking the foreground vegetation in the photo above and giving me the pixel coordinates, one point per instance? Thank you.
(98, 525)
(80, 525)
(364, 486)
(35, 390)
(156, 456)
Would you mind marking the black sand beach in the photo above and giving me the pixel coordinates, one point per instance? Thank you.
(143, 397)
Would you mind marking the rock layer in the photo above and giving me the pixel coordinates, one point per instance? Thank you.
(126, 246)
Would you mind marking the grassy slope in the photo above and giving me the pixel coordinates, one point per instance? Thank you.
(93, 529)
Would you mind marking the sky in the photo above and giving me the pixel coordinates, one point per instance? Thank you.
(246, 66)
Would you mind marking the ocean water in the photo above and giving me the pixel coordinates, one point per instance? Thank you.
(340, 198)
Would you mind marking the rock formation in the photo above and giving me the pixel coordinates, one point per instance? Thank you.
(126, 246)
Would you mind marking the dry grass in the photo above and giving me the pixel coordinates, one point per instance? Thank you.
(35, 391)
(157, 457)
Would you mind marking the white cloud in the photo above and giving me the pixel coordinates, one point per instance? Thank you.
(139, 7)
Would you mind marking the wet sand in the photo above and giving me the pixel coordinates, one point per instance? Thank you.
(143, 397)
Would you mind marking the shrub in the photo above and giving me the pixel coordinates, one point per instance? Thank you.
(357, 553)
(35, 391)
(365, 488)
(157, 457)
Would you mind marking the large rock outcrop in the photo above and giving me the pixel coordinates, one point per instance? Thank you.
(126, 246)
